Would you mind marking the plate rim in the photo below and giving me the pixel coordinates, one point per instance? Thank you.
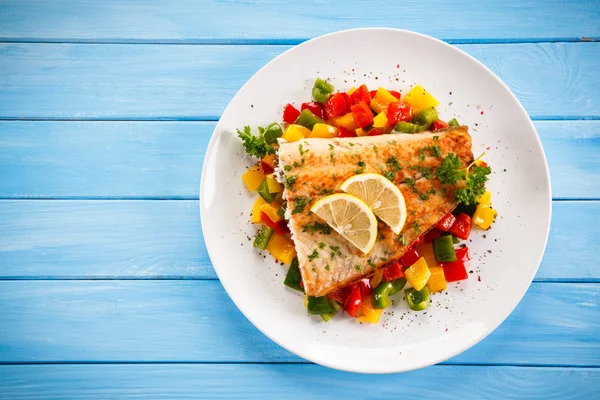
(394, 368)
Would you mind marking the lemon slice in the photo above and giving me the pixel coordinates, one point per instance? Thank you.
(350, 217)
(381, 195)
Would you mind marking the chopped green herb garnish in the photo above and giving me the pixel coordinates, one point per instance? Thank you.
(358, 268)
(432, 191)
(436, 137)
(327, 267)
(393, 164)
(331, 147)
(287, 168)
(301, 149)
(375, 149)
(319, 227)
(335, 251)
(371, 263)
(383, 259)
(425, 171)
(321, 245)
(401, 240)
(334, 177)
(350, 144)
(360, 170)
(325, 191)
(313, 255)
(299, 203)
(290, 180)
(417, 228)
(409, 182)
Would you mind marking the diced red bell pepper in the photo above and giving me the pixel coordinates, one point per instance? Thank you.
(365, 287)
(446, 223)
(461, 227)
(372, 93)
(363, 116)
(348, 100)
(266, 168)
(280, 227)
(462, 254)
(341, 295)
(353, 302)
(455, 271)
(361, 94)
(290, 113)
(398, 111)
(374, 132)
(343, 132)
(336, 105)
(432, 234)
(395, 94)
(410, 257)
(393, 272)
(314, 107)
(438, 124)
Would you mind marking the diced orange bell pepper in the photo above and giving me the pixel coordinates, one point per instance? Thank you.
(271, 212)
(324, 131)
(269, 159)
(425, 250)
(281, 248)
(367, 313)
(361, 132)
(418, 274)
(419, 98)
(295, 132)
(256, 209)
(345, 121)
(380, 121)
(484, 216)
(437, 281)
(381, 101)
(253, 178)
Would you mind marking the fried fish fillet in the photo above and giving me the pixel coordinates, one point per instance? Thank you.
(314, 168)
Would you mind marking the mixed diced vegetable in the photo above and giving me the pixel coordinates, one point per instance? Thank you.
(430, 262)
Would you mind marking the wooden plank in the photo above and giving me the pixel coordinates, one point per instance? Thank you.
(76, 81)
(163, 239)
(196, 381)
(192, 22)
(48, 159)
(194, 321)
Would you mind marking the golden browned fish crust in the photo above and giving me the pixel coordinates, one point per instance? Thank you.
(315, 168)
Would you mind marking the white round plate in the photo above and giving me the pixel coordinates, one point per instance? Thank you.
(505, 258)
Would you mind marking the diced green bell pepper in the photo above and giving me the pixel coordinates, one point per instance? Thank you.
(335, 306)
(453, 122)
(398, 285)
(455, 240)
(381, 295)
(322, 90)
(319, 305)
(263, 191)
(293, 277)
(417, 300)
(426, 117)
(307, 119)
(406, 127)
(262, 237)
(281, 211)
(272, 132)
(443, 249)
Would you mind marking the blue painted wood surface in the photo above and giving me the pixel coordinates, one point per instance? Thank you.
(104, 277)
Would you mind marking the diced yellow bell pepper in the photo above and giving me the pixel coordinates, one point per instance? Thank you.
(485, 199)
(417, 274)
(253, 178)
(425, 250)
(324, 131)
(367, 313)
(269, 159)
(272, 184)
(256, 209)
(305, 301)
(437, 281)
(380, 121)
(361, 132)
(271, 212)
(484, 216)
(352, 90)
(345, 121)
(281, 248)
(381, 100)
(419, 98)
(296, 132)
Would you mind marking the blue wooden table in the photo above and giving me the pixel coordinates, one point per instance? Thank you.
(106, 109)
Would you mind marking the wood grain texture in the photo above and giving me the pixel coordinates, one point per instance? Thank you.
(194, 321)
(162, 239)
(191, 21)
(48, 159)
(76, 81)
(189, 381)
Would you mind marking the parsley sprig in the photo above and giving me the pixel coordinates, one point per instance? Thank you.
(475, 177)
(255, 145)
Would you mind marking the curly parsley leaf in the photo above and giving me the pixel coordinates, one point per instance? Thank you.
(475, 178)
(255, 145)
